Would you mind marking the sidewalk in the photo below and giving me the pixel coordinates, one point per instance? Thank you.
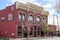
(38, 38)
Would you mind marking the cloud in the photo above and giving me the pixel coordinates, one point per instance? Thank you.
(52, 0)
(49, 0)
(47, 5)
(50, 20)
(52, 11)
(24, 1)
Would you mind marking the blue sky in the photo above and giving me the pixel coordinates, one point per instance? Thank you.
(47, 4)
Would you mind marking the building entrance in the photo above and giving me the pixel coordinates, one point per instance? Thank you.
(35, 28)
(19, 31)
(35, 34)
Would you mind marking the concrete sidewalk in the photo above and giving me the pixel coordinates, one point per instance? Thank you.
(38, 38)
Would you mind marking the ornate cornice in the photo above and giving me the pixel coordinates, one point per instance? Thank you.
(31, 7)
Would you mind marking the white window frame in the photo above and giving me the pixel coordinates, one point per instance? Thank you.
(10, 17)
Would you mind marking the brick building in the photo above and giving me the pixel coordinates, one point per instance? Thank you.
(22, 20)
(52, 28)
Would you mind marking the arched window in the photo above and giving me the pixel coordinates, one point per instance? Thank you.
(30, 18)
(44, 19)
(38, 19)
(21, 16)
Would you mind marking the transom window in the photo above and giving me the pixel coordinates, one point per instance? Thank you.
(10, 17)
(30, 18)
(21, 16)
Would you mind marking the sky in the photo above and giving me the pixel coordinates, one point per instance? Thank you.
(48, 5)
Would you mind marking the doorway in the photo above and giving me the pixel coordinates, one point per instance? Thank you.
(42, 34)
(35, 29)
(25, 32)
(19, 31)
(35, 34)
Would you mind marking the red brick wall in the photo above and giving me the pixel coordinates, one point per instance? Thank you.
(52, 27)
(8, 27)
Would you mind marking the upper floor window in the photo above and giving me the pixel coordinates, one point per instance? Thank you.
(44, 19)
(2, 18)
(12, 8)
(38, 19)
(21, 16)
(10, 17)
(30, 18)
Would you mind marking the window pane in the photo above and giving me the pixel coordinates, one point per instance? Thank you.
(19, 16)
(44, 19)
(30, 18)
(34, 27)
(19, 31)
(23, 16)
(12, 8)
(10, 17)
(38, 19)
(2, 18)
